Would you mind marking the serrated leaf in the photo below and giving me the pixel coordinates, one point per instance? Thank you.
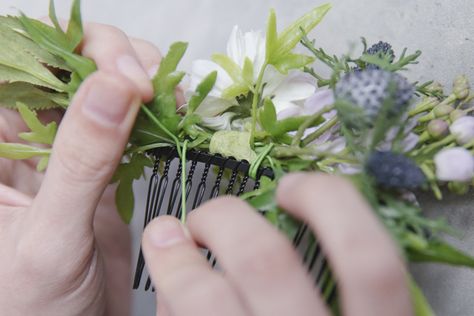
(19, 65)
(291, 35)
(292, 61)
(202, 90)
(31, 96)
(271, 38)
(41, 134)
(21, 151)
(168, 64)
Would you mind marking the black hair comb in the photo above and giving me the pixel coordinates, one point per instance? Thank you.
(208, 176)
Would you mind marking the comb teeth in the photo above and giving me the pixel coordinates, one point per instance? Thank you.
(206, 178)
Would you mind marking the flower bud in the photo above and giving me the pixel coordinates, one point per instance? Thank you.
(435, 88)
(461, 87)
(454, 164)
(442, 110)
(438, 128)
(456, 114)
(463, 129)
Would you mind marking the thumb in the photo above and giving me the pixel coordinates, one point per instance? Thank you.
(87, 149)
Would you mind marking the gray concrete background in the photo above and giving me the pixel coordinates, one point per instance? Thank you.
(442, 29)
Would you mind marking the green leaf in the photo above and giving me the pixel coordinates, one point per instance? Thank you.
(291, 35)
(168, 64)
(235, 90)
(271, 36)
(41, 134)
(439, 251)
(125, 174)
(202, 90)
(21, 151)
(232, 69)
(421, 307)
(74, 31)
(31, 96)
(247, 72)
(292, 61)
(53, 17)
(268, 116)
(232, 144)
(42, 164)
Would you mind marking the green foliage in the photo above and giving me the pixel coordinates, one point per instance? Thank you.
(31, 96)
(125, 175)
(21, 151)
(41, 134)
(202, 90)
(232, 144)
(438, 251)
(421, 307)
(240, 85)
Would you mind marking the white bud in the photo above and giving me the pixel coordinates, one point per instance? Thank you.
(454, 164)
(463, 129)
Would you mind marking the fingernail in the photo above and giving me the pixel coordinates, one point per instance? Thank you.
(130, 68)
(152, 71)
(106, 103)
(290, 180)
(166, 232)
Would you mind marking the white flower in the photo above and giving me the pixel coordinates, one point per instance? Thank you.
(463, 129)
(454, 164)
(286, 91)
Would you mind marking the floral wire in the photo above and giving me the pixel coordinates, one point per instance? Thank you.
(260, 158)
(183, 182)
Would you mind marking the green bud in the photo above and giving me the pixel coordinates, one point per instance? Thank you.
(461, 87)
(458, 187)
(456, 114)
(442, 110)
(438, 128)
(435, 88)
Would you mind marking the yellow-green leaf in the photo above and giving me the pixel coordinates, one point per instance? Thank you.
(271, 36)
(232, 144)
(31, 96)
(21, 151)
(41, 134)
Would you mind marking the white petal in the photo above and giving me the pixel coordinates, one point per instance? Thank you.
(236, 46)
(463, 129)
(288, 110)
(294, 88)
(221, 122)
(212, 106)
(318, 101)
(454, 164)
(272, 79)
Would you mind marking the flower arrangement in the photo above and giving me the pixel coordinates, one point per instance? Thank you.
(264, 103)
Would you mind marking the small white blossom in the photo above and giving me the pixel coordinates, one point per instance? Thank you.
(463, 129)
(454, 164)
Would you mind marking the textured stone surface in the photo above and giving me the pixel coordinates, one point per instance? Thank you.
(443, 30)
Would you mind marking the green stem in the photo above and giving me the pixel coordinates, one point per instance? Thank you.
(255, 99)
(146, 148)
(308, 122)
(183, 183)
(155, 120)
(320, 131)
(261, 157)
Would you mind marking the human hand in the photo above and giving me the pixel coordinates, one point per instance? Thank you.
(64, 249)
(263, 275)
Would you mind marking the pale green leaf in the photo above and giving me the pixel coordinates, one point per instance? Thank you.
(74, 31)
(31, 96)
(53, 17)
(232, 144)
(21, 151)
(292, 61)
(124, 200)
(291, 35)
(202, 90)
(18, 63)
(271, 36)
(232, 69)
(41, 134)
(42, 164)
(247, 72)
(168, 64)
(421, 307)
(235, 90)
(267, 115)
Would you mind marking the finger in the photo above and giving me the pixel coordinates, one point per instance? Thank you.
(111, 50)
(370, 273)
(88, 146)
(258, 260)
(11, 197)
(182, 276)
(148, 54)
